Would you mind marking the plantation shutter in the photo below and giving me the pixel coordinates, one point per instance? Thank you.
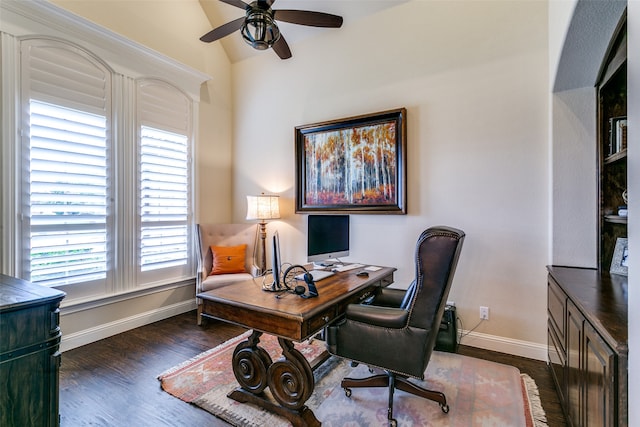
(164, 180)
(66, 163)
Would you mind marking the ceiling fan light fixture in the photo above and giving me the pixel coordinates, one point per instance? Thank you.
(260, 30)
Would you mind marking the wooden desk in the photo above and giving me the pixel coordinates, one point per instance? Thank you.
(290, 318)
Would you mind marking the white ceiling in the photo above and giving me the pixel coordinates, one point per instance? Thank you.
(220, 13)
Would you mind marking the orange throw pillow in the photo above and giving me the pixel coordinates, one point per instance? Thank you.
(228, 259)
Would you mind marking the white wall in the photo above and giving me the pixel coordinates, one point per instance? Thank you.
(474, 79)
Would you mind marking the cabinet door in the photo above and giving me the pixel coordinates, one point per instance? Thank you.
(575, 323)
(557, 309)
(599, 391)
(557, 363)
(29, 390)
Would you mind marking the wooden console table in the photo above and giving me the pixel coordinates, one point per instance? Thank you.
(290, 318)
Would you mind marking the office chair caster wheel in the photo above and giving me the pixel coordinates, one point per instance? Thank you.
(347, 392)
(393, 423)
(445, 408)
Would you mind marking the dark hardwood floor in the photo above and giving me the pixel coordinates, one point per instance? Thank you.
(113, 382)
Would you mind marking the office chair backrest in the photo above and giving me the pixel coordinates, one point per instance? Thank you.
(437, 253)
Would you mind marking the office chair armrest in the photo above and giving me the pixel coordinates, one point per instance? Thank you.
(388, 297)
(385, 317)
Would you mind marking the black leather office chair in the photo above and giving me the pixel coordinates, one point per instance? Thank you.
(397, 331)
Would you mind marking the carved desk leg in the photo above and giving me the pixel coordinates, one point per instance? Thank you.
(290, 380)
(250, 364)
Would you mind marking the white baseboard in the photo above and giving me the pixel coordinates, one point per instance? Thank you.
(527, 349)
(90, 335)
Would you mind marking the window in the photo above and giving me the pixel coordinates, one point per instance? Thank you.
(105, 181)
(164, 157)
(66, 173)
(97, 179)
(164, 203)
(67, 195)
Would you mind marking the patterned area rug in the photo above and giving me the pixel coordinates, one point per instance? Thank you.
(479, 393)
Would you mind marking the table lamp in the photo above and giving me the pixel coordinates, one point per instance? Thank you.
(262, 208)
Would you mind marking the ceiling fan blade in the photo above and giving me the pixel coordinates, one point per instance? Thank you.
(281, 47)
(307, 17)
(223, 30)
(236, 3)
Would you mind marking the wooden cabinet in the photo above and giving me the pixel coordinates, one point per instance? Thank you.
(587, 345)
(29, 357)
(612, 148)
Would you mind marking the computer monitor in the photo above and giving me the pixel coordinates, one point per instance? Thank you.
(275, 260)
(327, 237)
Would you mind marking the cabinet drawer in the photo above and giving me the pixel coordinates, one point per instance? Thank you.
(557, 306)
(29, 326)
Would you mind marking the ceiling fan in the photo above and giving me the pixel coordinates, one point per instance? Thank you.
(259, 29)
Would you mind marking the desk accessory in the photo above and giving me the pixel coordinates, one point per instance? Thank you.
(290, 277)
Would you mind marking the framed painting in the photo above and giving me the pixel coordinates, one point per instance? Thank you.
(353, 165)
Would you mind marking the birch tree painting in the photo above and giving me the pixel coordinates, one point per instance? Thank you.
(356, 164)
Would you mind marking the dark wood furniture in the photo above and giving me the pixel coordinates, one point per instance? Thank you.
(587, 344)
(29, 357)
(290, 318)
(612, 147)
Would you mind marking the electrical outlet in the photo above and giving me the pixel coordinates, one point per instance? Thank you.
(484, 313)
(451, 303)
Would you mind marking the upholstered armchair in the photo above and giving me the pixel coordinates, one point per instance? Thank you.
(397, 331)
(233, 264)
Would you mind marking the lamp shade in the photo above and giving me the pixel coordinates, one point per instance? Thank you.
(263, 207)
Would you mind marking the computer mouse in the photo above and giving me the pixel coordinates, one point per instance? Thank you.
(362, 274)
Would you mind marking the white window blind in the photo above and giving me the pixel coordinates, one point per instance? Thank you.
(164, 115)
(66, 169)
(68, 195)
(164, 210)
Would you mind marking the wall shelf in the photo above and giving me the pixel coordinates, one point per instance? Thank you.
(620, 155)
(615, 219)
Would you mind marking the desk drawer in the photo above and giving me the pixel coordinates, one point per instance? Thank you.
(321, 320)
(386, 281)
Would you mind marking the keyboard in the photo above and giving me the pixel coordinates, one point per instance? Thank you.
(317, 275)
(348, 267)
